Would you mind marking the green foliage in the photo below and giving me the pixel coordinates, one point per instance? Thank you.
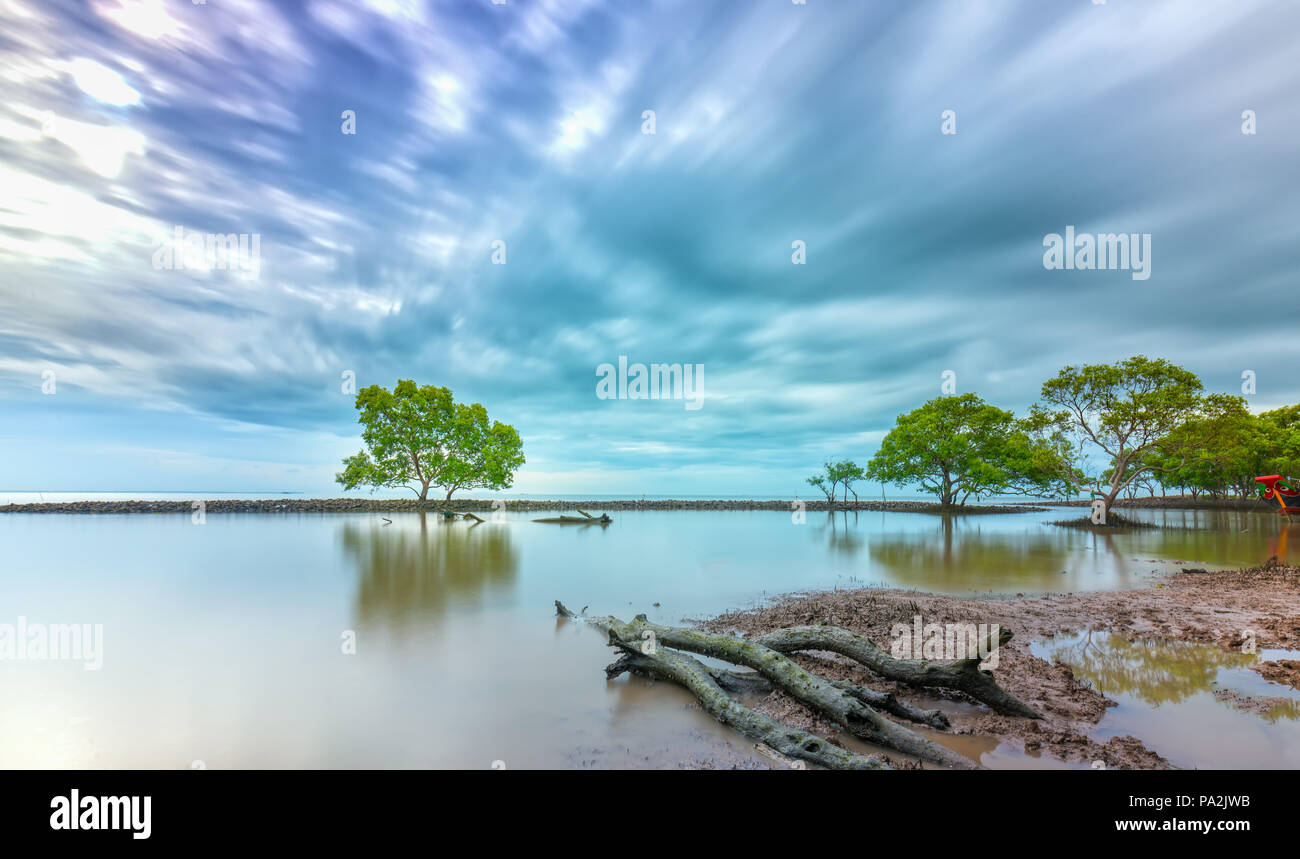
(960, 446)
(1282, 429)
(1148, 416)
(1220, 450)
(1125, 410)
(822, 483)
(1224, 448)
(844, 473)
(420, 437)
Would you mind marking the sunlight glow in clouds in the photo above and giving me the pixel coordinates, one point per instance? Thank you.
(146, 18)
(102, 83)
(102, 148)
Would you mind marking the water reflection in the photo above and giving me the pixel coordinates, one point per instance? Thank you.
(957, 552)
(1195, 704)
(1157, 671)
(415, 569)
(1023, 552)
(1272, 709)
(841, 533)
(1215, 536)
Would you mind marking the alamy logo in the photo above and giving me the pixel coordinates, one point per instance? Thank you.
(241, 252)
(656, 382)
(103, 812)
(75, 642)
(1086, 252)
(946, 641)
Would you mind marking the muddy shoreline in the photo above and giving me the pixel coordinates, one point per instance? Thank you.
(1206, 608)
(398, 505)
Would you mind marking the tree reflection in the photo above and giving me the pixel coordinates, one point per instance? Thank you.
(957, 552)
(410, 572)
(1157, 671)
(841, 536)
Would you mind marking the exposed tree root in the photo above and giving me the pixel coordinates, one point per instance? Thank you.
(844, 703)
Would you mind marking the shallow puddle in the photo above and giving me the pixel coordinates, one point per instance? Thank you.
(1197, 705)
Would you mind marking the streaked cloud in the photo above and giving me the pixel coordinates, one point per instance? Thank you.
(521, 123)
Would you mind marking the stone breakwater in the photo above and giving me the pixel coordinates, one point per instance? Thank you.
(388, 505)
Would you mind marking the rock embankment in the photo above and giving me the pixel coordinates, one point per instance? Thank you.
(400, 505)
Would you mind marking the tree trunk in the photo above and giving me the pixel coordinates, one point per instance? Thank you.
(753, 683)
(962, 675)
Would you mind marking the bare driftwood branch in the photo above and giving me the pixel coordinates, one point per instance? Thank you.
(585, 519)
(815, 692)
(691, 673)
(753, 683)
(962, 675)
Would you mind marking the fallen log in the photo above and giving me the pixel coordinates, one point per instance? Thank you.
(962, 675)
(692, 674)
(753, 683)
(819, 694)
(576, 520)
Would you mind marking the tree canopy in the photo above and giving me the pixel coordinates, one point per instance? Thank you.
(1222, 449)
(1148, 418)
(957, 447)
(420, 437)
(1125, 410)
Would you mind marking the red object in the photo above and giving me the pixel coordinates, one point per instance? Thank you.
(1277, 487)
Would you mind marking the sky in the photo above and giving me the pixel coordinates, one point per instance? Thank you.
(502, 222)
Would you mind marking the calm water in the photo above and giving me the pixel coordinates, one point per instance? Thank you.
(222, 641)
(1165, 694)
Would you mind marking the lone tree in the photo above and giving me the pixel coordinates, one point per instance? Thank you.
(845, 472)
(420, 437)
(958, 446)
(1128, 410)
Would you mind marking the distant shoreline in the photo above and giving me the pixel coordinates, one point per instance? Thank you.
(479, 505)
